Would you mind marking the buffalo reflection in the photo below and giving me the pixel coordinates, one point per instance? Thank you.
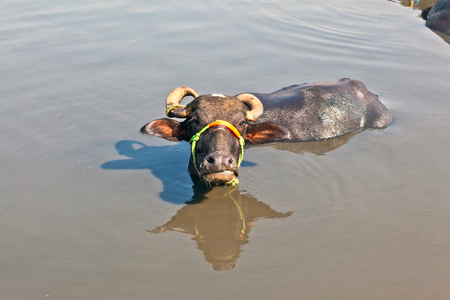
(220, 219)
(316, 147)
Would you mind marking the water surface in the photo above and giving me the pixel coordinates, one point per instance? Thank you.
(92, 209)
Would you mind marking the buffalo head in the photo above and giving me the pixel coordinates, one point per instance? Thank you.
(216, 126)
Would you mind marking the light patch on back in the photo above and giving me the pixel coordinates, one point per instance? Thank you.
(362, 122)
(218, 95)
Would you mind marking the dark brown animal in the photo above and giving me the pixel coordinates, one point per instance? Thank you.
(438, 16)
(302, 112)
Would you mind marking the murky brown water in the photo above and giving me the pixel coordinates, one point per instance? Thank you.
(90, 209)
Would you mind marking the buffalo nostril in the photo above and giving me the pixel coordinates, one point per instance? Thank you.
(219, 161)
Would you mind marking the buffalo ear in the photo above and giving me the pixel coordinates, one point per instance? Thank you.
(266, 133)
(166, 128)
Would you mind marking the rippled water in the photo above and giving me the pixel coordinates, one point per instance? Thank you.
(91, 209)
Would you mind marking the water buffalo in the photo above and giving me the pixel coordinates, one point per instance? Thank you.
(438, 16)
(217, 125)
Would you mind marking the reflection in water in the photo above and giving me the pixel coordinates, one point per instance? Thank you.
(315, 147)
(220, 219)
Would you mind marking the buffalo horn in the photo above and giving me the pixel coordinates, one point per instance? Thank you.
(255, 105)
(173, 107)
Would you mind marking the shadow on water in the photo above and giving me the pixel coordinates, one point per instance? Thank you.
(220, 219)
(168, 163)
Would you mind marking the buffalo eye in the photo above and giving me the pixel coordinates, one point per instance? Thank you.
(193, 125)
(242, 123)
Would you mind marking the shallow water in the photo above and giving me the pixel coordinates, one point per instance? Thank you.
(85, 198)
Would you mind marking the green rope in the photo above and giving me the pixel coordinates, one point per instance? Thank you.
(193, 142)
(232, 182)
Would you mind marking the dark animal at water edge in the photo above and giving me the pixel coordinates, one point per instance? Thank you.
(217, 125)
(438, 16)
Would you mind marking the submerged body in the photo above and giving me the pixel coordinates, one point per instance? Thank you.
(317, 111)
(217, 125)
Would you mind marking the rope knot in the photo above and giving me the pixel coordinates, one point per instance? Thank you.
(194, 138)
